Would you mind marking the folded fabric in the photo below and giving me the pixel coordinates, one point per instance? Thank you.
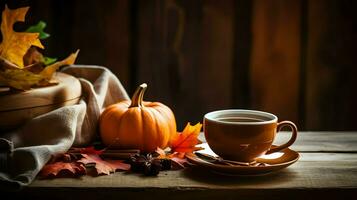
(23, 152)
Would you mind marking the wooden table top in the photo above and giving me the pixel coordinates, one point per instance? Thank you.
(327, 167)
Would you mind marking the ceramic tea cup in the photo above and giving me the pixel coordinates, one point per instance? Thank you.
(244, 135)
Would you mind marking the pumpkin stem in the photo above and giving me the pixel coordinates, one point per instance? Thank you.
(137, 98)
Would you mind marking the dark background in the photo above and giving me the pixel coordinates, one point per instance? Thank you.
(294, 58)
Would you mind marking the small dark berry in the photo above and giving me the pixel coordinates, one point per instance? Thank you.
(166, 164)
(152, 168)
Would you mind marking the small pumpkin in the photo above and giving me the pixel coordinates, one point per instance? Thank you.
(137, 124)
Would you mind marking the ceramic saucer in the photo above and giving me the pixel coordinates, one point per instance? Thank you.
(270, 163)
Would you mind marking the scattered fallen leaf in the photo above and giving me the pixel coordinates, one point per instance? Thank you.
(24, 79)
(21, 65)
(178, 158)
(104, 166)
(186, 141)
(33, 56)
(62, 157)
(15, 44)
(81, 161)
(178, 163)
(54, 169)
(181, 144)
(19, 79)
(49, 70)
(161, 152)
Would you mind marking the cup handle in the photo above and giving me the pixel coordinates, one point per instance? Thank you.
(292, 139)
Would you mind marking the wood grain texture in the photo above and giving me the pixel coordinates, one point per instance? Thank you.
(315, 174)
(68, 88)
(104, 32)
(214, 75)
(12, 119)
(275, 57)
(241, 93)
(181, 57)
(199, 56)
(327, 175)
(331, 71)
(182, 193)
(342, 142)
(117, 37)
(339, 171)
(18, 107)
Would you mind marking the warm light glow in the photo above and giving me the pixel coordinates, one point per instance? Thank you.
(272, 156)
(209, 151)
(206, 149)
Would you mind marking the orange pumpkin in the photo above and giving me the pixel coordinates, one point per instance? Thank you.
(137, 124)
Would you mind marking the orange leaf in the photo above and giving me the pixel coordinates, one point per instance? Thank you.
(186, 141)
(53, 169)
(178, 158)
(161, 152)
(14, 45)
(104, 166)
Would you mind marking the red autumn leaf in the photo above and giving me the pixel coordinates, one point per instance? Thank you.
(187, 140)
(64, 157)
(53, 169)
(178, 158)
(178, 163)
(91, 150)
(104, 166)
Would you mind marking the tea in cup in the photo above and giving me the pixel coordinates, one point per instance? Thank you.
(244, 135)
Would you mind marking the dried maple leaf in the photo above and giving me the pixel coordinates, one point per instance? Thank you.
(186, 141)
(178, 159)
(15, 51)
(161, 152)
(19, 79)
(33, 56)
(104, 166)
(54, 169)
(181, 144)
(23, 79)
(178, 163)
(49, 70)
(15, 44)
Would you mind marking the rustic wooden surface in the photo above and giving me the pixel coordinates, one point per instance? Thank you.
(16, 107)
(327, 169)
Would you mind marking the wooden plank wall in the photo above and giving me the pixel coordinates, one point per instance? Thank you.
(275, 59)
(292, 58)
(331, 81)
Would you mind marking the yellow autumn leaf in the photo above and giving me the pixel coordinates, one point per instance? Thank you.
(49, 70)
(15, 44)
(19, 79)
(23, 79)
